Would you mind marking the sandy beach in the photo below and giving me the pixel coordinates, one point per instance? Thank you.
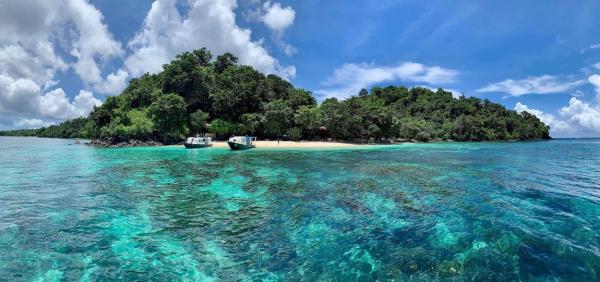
(292, 144)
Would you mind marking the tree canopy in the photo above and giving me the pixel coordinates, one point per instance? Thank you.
(194, 90)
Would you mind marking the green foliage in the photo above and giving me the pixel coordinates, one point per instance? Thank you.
(308, 119)
(198, 121)
(191, 90)
(169, 116)
(278, 118)
(75, 128)
(188, 77)
(139, 127)
(294, 133)
(224, 61)
(222, 128)
(252, 123)
(20, 132)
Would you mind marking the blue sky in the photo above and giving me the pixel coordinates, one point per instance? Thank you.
(59, 59)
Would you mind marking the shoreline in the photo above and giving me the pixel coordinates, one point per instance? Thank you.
(298, 145)
(272, 144)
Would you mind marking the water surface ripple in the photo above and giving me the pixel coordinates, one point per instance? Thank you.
(420, 212)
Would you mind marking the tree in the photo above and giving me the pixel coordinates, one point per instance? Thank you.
(374, 131)
(169, 117)
(221, 127)
(224, 61)
(307, 118)
(301, 97)
(274, 88)
(278, 117)
(294, 133)
(363, 93)
(198, 121)
(191, 89)
(189, 79)
(235, 92)
(140, 126)
(203, 56)
(141, 92)
(332, 116)
(252, 122)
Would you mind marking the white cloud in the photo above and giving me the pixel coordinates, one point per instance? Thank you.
(557, 127)
(595, 81)
(38, 40)
(545, 84)
(583, 115)
(209, 24)
(55, 104)
(276, 17)
(37, 61)
(596, 66)
(94, 42)
(578, 119)
(348, 79)
(25, 97)
(33, 123)
(114, 83)
(32, 31)
(591, 47)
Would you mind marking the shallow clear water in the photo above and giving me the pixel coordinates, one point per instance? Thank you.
(448, 211)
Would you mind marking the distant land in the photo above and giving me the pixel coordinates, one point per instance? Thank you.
(196, 94)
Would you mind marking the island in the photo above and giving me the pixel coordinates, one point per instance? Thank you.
(195, 94)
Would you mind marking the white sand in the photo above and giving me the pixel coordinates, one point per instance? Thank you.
(292, 144)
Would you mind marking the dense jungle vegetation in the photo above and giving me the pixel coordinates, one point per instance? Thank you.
(196, 94)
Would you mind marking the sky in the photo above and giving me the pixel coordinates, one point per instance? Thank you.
(59, 59)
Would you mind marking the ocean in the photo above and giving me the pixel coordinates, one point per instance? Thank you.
(499, 211)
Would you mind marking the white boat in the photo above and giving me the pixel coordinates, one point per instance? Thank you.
(241, 142)
(197, 142)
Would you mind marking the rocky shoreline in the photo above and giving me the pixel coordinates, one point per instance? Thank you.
(130, 143)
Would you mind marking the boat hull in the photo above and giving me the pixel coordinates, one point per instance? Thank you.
(196, 146)
(237, 146)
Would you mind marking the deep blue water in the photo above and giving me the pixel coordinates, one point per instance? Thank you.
(447, 211)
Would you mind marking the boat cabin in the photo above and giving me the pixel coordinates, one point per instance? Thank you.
(198, 142)
(241, 142)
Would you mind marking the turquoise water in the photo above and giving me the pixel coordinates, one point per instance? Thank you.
(420, 212)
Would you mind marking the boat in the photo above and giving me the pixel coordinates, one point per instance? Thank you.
(197, 142)
(241, 142)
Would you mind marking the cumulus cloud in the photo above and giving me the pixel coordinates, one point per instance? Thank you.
(595, 81)
(32, 31)
(56, 104)
(348, 79)
(41, 39)
(545, 84)
(114, 83)
(557, 127)
(583, 115)
(94, 42)
(577, 119)
(25, 97)
(38, 40)
(210, 24)
(276, 17)
(36, 61)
